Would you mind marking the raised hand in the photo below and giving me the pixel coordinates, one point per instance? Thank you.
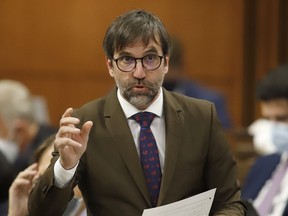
(71, 142)
(20, 189)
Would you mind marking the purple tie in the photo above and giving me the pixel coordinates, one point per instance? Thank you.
(266, 205)
(149, 154)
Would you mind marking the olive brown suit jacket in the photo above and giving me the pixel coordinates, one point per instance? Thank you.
(110, 176)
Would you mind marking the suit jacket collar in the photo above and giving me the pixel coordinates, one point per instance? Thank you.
(174, 126)
(117, 125)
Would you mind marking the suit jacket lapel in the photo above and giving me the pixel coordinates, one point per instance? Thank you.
(174, 124)
(117, 125)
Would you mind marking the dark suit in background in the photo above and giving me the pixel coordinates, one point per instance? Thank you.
(260, 172)
(6, 177)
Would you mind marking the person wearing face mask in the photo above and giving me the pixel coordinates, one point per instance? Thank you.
(266, 183)
(20, 131)
(269, 136)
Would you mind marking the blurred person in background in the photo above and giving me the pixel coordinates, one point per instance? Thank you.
(272, 93)
(25, 180)
(6, 177)
(176, 81)
(20, 131)
(270, 135)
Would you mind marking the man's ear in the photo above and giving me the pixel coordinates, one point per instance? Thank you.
(166, 64)
(110, 67)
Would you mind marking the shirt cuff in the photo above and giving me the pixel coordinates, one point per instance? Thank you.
(62, 176)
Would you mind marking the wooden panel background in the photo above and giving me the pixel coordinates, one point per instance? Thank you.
(55, 47)
(266, 48)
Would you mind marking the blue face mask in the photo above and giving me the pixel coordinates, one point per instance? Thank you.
(280, 137)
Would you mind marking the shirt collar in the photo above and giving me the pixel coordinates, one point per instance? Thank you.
(156, 107)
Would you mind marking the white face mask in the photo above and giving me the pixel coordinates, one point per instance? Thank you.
(261, 130)
(9, 149)
(280, 136)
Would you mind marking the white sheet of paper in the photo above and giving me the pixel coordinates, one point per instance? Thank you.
(198, 205)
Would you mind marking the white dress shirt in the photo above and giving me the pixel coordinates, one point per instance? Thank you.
(62, 176)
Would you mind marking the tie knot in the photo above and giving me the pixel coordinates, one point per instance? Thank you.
(144, 118)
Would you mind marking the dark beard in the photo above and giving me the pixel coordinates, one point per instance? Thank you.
(141, 100)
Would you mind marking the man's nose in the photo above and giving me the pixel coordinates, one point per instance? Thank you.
(139, 71)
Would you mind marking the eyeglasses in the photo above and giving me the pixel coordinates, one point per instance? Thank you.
(128, 63)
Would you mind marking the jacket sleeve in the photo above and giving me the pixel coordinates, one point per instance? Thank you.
(46, 198)
(221, 173)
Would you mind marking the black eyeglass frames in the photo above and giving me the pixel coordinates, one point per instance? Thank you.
(128, 63)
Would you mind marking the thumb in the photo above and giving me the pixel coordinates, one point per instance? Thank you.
(86, 129)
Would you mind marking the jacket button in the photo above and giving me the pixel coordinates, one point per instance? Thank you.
(44, 188)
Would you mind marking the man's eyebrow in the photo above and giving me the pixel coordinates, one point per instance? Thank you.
(124, 53)
(152, 50)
